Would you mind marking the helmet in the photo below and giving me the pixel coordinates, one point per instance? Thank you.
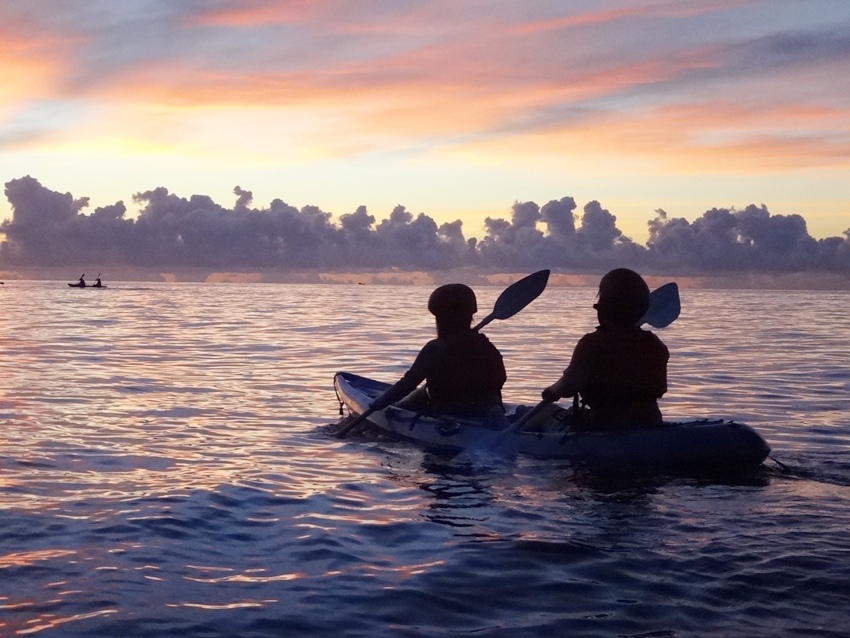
(623, 297)
(452, 300)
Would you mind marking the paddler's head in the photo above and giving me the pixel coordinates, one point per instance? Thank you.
(623, 298)
(453, 306)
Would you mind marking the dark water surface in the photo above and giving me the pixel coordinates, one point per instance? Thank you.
(166, 468)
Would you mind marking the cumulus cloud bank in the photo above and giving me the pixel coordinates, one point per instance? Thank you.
(49, 228)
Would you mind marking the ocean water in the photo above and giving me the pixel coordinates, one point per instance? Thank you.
(167, 468)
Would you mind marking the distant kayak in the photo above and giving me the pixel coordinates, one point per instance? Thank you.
(712, 444)
(78, 285)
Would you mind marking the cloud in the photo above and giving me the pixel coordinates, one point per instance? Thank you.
(728, 240)
(559, 217)
(49, 228)
(794, 48)
(341, 79)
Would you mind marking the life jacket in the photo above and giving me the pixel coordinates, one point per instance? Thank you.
(627, 375)
(466, 368)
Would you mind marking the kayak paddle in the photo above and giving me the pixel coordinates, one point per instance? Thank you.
(664, 306)
(516, 297)
(513, 299)
(663, 310)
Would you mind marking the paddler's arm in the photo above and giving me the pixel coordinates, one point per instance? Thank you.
(574, 378)
(570, 384)
(409, 382)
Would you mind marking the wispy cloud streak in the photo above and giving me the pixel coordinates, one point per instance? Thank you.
(381, 68)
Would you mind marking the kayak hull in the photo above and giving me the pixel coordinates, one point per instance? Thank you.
(713, 444)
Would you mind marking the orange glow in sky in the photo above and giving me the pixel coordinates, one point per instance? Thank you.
(454, 110)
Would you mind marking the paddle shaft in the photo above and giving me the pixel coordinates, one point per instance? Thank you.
(517, 425)
(352, 424)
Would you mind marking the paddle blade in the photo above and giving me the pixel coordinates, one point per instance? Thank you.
(664, 306)
(517, 296)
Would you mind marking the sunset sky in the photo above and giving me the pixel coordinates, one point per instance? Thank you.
(452, 108)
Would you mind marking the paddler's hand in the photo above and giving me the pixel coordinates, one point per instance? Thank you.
(570, 383)
(550, 394)
(556, 390)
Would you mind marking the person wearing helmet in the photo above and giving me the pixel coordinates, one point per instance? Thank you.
(464, 372)
(620, 370)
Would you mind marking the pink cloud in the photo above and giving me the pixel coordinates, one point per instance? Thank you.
(677, 9)
(253, 13)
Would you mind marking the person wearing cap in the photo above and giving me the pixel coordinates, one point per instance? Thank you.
(620, 370)
(463, 372)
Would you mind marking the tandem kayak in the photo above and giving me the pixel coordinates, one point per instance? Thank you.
(711, 444)
(87, 287)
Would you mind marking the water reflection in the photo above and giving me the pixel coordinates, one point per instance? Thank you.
(169, 443)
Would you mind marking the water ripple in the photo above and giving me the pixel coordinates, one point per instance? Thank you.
(168, 468)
